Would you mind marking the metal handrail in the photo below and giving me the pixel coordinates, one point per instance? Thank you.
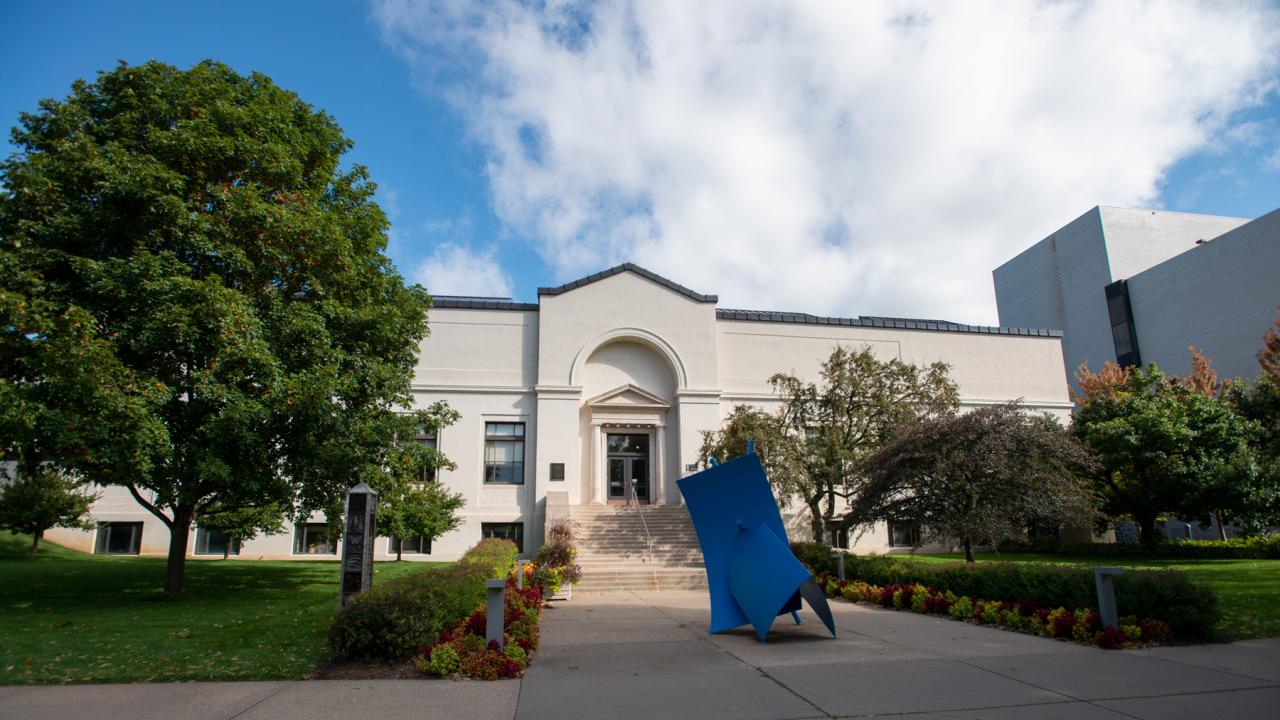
(640, 511)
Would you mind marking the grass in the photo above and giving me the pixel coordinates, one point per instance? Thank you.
(1248, 590)
(67, 617)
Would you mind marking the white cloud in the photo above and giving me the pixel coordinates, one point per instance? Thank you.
(835, 157)
(455, 269)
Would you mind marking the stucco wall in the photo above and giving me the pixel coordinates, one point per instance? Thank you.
(1220, 297)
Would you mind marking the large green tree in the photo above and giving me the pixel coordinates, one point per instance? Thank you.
(195, 302)
(859, 403)
(984, 475)
(1165, 444)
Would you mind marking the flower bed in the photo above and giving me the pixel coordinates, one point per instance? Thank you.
(1079, 624)
(1190, 610)
(462, 650)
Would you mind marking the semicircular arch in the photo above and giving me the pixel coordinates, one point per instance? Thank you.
(630, 334)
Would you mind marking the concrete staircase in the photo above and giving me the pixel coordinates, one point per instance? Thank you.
(614, 554)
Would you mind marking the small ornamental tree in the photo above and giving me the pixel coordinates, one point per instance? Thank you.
(1164, 445)
(411, 501)
(42, 497)
(858, 406)
(195, 303)
(982, 476)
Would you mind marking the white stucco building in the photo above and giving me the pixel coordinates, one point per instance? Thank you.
(1138, 286)
(613, 378)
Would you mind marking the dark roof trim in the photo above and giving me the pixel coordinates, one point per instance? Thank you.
(628, 267)
(480, 304)
(879, 322)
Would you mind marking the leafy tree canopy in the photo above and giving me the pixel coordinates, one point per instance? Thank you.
(1165, 444)
(983, 476)
(812, 448)
(194, 299)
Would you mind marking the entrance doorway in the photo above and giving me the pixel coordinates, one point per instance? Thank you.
(628, 468)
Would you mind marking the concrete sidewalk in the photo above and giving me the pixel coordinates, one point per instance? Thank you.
(647, 655)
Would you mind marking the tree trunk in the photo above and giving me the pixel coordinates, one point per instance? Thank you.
(1222, 529)
(815, 515)
(1147, 528)
(35, 542)
(399, 550)
(177, 565)
(968, 551)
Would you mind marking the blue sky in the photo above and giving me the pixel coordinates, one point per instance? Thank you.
(812, 159)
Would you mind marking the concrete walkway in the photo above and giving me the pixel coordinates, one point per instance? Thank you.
(647, 655)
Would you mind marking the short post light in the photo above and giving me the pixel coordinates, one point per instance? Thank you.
(1107, 595)
(495, 608)
(357, 545)
(520, 573)
(839, 558)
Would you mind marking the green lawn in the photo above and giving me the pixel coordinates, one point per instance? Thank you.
(1249, 590)
(69, 617)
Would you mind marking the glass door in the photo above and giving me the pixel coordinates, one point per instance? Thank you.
(628, 468)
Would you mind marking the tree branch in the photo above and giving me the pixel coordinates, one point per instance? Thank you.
(149, 506)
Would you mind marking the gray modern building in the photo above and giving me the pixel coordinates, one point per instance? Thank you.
(1137, 286)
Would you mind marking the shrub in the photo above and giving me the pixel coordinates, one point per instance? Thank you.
(516, 654)
(961, 609)
(1258, 548)
(397, 618)
(1191, 611)
(444, 661)
(817, 556)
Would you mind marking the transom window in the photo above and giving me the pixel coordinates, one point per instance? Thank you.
(420, 545)
(212, 542)
(507, 531)
(118, 538)
(904, 533)
(504, 453)
(314, 539)
(427, 440)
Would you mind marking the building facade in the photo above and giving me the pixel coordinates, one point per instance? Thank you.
(599, 393)
(1138, 286)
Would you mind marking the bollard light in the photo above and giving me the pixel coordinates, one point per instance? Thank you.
(495, 607)
(839, 558)
(1107, 595)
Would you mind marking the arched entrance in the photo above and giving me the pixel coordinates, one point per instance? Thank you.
(629, 389)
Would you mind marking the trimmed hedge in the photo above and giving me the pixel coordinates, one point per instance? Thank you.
(395, 619)
(1190, 610)
(1255, 548)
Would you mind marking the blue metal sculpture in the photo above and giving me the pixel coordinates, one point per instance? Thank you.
(751, 573)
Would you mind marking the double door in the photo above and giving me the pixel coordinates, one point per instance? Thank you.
(628, 468)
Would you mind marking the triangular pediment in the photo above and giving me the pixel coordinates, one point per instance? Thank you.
(634, 269)
(628, 396)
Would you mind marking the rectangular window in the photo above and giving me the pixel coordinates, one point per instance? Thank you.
(315, 539)
(904, 533)
(504, 453)
(212, 542)
(420, 545)
(118, 538)
(429, 441)
(507, 531)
